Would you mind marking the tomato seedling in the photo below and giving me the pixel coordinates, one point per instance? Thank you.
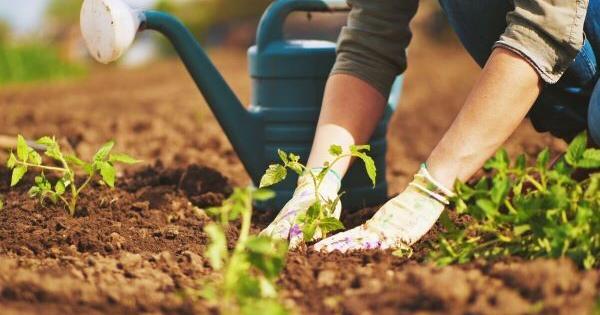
(67, 188)
(245, 283)
(528, 211)
(319, 214)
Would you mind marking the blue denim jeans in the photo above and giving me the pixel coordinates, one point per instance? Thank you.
(564, 109)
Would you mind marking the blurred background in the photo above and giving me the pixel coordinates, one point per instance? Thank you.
(40, 39)
(150, 106)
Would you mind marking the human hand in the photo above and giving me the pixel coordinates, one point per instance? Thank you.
(285, 225)
(400, 222)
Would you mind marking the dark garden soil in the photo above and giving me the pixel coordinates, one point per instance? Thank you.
(134, 249)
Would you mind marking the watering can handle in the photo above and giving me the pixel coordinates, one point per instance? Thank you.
(270, 28)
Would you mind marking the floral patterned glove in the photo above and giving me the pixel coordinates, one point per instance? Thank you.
(400, 222)
(285, 226)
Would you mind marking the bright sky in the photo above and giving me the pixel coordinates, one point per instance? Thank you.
(25, 15)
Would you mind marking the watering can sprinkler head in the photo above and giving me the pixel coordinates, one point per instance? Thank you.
(108, 28)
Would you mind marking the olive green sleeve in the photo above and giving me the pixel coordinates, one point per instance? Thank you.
(373, 43)
(547, 33)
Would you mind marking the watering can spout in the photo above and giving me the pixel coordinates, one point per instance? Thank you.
(109, 27)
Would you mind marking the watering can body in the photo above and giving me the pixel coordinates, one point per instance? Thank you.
(288, 80)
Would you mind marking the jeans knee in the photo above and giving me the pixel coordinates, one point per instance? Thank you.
(594, 115)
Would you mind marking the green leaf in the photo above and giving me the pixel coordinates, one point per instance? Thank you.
(360, 148)
(576, 149)
(543, 158)
(520, 229)
(35, 157)
(590, 159)
(122, 158)
(521, 162)
(103, 152)
(293, 157)
(296, 167)
(17, 174)
(500, 189)
(587, 163)
(266, 254)
(52, 147)
(446, 222)
(216, 252)
(12, 161)
(273, 175)
(282, 156)
(89, 168)
(308, 231)
(488, 207)
(108, 173)
(499, 161)
(369, 166)
(74, 160)
(263, 194)
(59, 188)
(592, 154)
(47, 141)
(330, 224)
(22, 148)
(313, 211)
(335, 150)
(247, 288)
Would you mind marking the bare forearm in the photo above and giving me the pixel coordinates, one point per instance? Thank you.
(351, 110)
(498, 102)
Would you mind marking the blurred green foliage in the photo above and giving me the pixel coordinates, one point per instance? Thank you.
(4, 32)
(33, 62)
(38, 58)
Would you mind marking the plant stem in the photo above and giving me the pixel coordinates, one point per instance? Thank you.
(246, 220)
(64, 201)
(87, 181)
(50, 168)
(535, 183)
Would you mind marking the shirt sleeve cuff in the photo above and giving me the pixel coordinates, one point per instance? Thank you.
(549, 57)
(356, 58)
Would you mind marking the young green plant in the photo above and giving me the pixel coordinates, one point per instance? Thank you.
(245, 283)
(319, 214)
(528, 211)
(67, 187)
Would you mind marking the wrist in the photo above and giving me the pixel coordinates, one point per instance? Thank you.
(426, 183)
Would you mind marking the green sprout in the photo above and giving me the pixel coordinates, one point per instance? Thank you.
(67, 188)
(528, 211)
(245, 283)
(320, 214)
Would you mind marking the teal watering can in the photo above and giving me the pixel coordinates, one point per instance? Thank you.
(288, 79)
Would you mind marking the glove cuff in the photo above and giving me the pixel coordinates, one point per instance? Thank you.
(424, 182)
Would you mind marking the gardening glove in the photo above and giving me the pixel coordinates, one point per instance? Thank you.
(400, 222)
(285, 226)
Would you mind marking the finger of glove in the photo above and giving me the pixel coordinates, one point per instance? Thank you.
(296, 237)
(336, 242)
(281, 225)
(277, 230)
(355, 239)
